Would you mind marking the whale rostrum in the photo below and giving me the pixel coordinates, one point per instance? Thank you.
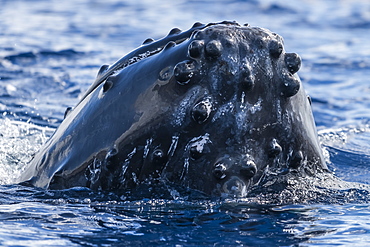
(210, 109)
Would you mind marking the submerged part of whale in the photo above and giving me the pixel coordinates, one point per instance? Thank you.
(215, 108)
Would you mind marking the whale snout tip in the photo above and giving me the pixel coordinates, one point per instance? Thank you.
(235, 187)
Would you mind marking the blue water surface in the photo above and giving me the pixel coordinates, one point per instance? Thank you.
(50, 52)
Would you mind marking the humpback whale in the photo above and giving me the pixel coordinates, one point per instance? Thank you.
(214, 109)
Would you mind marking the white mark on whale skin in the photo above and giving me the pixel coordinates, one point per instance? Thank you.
(126, 164)
(129, 156)
(134, 178)
(199, 143)
(244, 112)
(173, 146)
(222, 110)
(256, 107)
(185, 169)
(146, 148)
(94, 171)
(181, 110)
(179, 115)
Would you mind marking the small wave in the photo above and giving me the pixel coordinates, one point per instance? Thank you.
(28, 58)
(347, 152)
(335, 136)
(64, 53)
(278, 9)
(325, 63)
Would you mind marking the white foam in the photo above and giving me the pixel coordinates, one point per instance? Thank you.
(18, 143)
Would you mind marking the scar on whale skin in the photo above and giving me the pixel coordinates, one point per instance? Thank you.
(216, 109)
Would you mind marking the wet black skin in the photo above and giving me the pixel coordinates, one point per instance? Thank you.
(211, 109)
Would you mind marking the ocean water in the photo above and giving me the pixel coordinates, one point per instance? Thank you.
(50, 52)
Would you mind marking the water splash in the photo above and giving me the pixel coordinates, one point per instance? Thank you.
(18, 142)
(341, 136)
